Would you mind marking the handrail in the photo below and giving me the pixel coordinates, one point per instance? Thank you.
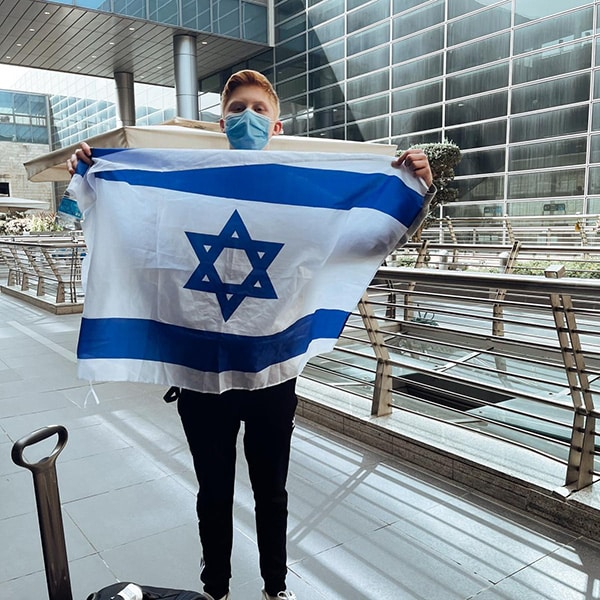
(533, 382)
(50, 264)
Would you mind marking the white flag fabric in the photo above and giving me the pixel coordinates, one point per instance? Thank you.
(214, 270)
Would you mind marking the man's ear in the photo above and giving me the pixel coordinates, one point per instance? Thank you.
(222, 125)
(277, 128)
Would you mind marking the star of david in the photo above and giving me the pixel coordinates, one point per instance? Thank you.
(206, 278)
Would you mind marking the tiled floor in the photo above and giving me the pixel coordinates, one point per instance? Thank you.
(362, 525)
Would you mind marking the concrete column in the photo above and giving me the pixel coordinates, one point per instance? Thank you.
(186, 76)
(125, 98)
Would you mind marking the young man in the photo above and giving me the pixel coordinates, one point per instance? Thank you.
(250, 117)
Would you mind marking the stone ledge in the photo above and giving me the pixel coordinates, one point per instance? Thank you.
(579, 513)
(44, 302)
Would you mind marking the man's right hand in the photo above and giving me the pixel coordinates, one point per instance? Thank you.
(83, 153)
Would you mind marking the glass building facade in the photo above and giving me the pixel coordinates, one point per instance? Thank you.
(514, 83)
(24, 118)
(243, 19)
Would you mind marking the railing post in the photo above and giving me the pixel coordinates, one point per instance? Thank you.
(382, 393)
(581, 453)
(498, 321)
(409, 313)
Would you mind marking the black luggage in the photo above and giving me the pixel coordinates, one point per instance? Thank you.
(52, 533)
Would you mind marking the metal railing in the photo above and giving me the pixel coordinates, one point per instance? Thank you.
(508, 357)
(45, 266)
(517, 257)
(545, 230)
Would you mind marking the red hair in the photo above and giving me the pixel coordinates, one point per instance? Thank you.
(248, 77)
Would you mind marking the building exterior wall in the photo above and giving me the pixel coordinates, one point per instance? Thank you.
(243, 19)
(12, 171)
(514, 83)
(24, 135)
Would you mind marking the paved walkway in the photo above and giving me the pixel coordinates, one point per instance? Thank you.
(362, 525)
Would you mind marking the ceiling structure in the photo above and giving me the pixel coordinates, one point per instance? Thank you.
(58, 37)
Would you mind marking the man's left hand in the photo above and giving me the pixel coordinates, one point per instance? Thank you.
(416, 160)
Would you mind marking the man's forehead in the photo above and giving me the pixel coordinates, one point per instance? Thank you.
(251, 93)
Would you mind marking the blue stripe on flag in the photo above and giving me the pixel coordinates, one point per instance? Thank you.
(286, 184)
(142, 339)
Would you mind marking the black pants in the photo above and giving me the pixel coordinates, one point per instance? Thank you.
(211, 423)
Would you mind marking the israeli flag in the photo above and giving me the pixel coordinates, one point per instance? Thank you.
(214, 270)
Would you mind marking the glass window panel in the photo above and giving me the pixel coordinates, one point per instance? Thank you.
(369, 61)
(403, 5)
(596, 116)
(549, 124)
(325, 11)
(475, 82)
(8, 132)
(165, 11)
(469, 110)
(376, 36)
(330, 117)
(477, 53)
(418, 70)
(254, 22)
(456, 8)
(137, 8)
(367, 15)
(296, 108)
(292, 68)
(326, 55)
(290, 48)
(334, 30)
(368, 130)
(418, 45)
(226, 17)
(486, 161)
(479, 188)
(596, 85)
(406, 141)
(195, 14)
(417, 20)
(326, 76)
(564, 59)
(546, 184)
(290, 28)
(354, 3)
(417, 120)
(480, 24)
(558, 30)
(480, 135)
(327, 97)
(528, 10)
(367, 109)
(367, 85)
(595, 149)
(211, 84)
(594, 203)
(417, 96)
(293, 87)
(594, 185)
(288, 9)
(555, 153)
(567, 90)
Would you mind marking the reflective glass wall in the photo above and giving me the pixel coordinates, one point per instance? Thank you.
(244, 19)
(23, 117)
(515, 83)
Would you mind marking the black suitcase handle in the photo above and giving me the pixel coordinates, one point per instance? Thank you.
(47, 499)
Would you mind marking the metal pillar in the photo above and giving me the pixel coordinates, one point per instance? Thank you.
(125, 97)
(186, 76)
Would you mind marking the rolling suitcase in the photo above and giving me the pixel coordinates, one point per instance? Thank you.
(52, 533)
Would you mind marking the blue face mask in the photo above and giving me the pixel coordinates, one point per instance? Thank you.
(247, 130)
